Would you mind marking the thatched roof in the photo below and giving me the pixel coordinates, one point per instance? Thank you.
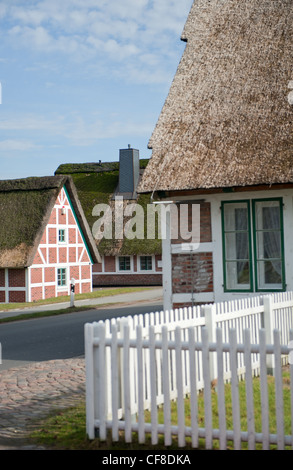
(25, 209)
(227, 121)
(97, 183)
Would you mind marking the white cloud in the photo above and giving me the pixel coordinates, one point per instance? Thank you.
(18, 145)
(32, 123)
(87, 30)
(75, 128)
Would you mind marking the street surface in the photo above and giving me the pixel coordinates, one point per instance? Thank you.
(57, 337)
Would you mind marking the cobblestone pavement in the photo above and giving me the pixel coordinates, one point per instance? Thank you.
(31, 392)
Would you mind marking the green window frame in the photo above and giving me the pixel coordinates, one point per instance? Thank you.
(124, 263)
(61, 277)
(146, 263)
(62, 235)
(253, 245)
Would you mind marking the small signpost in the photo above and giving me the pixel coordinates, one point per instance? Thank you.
(72, 291)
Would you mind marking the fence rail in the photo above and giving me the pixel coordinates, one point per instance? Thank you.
(137, 363)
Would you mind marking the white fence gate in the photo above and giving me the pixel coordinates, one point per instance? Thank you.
(137, 363)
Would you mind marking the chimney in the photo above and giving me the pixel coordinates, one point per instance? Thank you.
(128, 170)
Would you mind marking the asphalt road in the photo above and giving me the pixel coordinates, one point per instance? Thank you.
(56, 337)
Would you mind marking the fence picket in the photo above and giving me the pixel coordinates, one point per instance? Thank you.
(221, 390)
(193, 388)
(279, 391)
(207, 389)
(140, 386)
(166, 387)
(179, 384)
(154, 413)
(235, 392)
(90, 378)
(249, 391)
(102, 389)
(115, 384)
(264, 390)
(126, 383)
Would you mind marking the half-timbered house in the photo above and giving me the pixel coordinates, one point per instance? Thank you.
(45, 241)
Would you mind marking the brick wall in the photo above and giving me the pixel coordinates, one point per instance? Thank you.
(205, 223)
(192, 273)
(16, 296)
(110, 264)
(127, 279)
(2, 277)
(12, 285)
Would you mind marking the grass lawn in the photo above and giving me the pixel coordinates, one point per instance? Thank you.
(66, 429)
(100, 293)
(66, 298)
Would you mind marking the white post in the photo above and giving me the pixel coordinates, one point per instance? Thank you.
(89, 369)
(167, 263)
(209, 313)
(269, 330)
(72, 290)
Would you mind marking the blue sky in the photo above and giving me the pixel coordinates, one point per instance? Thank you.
(83, 78)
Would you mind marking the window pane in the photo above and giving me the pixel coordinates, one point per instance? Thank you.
(61, 235)
(267, 215)
(236, 216)
(237, 275)
(146, 263)
(124, 263)
(236, 246)
(61, 274)
(268, 244)
(269, 274)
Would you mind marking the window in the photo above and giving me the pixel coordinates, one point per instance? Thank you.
(253, 245)
(61, 277)
(146, 263)
(61, 236)
(124, 263)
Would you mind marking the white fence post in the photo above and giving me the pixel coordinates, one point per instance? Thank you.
(90, 374)
(209, 312)
(268, 303)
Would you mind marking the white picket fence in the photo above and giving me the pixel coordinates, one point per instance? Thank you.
(134, 364)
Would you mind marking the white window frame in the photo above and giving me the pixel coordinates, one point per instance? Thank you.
(146, 270)
(65, 286)
(62, 242)
(126, 271)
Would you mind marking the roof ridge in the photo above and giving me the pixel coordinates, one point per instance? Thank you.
(32, 183)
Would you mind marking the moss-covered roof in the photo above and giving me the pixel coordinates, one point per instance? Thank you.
(96, 183)
(25, 208)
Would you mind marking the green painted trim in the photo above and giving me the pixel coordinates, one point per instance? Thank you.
(254, 202)
(79, 227)
(247, 202)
